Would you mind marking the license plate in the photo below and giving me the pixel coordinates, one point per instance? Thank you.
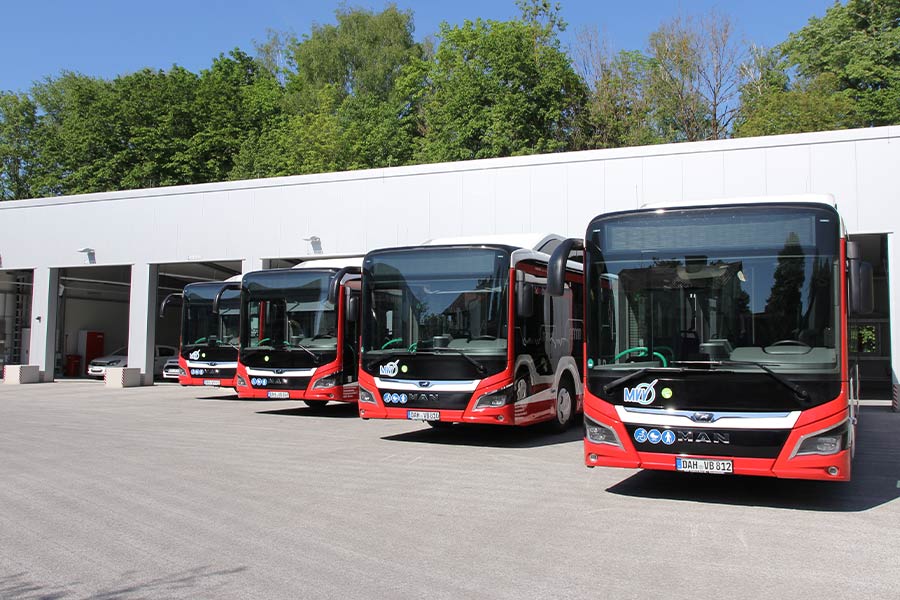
(704, 465)
(279, 395)
(423, 415)
(215, 382)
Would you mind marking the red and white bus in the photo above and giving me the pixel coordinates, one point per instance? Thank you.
(716, 337)
(298, 336)
(462, 331)
(208, 350)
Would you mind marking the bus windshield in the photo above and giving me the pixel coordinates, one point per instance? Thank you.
(723, 287)
(200, 327)
(449, 299)
(289, 310)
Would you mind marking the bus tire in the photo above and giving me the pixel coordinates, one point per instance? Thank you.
(564, 406)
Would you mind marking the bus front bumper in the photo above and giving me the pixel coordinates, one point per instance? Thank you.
(622, 453)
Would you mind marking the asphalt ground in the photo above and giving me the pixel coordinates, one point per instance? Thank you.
(170, 492)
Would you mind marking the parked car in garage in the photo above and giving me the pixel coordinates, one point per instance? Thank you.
(171, 370)
(119, 358)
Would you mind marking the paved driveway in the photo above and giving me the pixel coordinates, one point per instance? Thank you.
(170, 492)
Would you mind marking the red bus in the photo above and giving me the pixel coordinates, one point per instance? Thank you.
(462, 331)
(298, 332)
(208, 349)
(716, 338)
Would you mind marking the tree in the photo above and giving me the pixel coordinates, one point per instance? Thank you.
(858, 44)
(361, 55)
(18, 148)
(839, 71)
(618, 109)
(695, 77)
(154, 123)
(497, 88)
(77, 135)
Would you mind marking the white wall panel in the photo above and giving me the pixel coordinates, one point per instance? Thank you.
(479, 202)
(513, 201)
(703, 176)
(744, 172)
(585, 195)
(787, 170)
(878, 172)
(623, 184)
(549, 189)
(445, 206)
(662, 178)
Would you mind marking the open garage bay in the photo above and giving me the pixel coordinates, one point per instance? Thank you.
(174, 492)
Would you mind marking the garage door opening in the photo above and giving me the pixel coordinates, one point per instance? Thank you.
(172, 278)
(92, 323)
(15, 316)
(870, 335)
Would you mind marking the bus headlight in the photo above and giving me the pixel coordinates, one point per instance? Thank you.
(365, 396)
(598, 433)
(824, 443)
(241, 382)
(329, 381)
(496, 399)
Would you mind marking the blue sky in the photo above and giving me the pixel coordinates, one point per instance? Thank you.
(106, 38)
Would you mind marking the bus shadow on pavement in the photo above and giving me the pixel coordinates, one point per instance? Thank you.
(232, 396)
(875, 479)
(342, 410)
(490, 436)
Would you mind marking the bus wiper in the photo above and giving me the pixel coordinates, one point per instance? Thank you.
(305, 349)
(481, 368)
(801, 393)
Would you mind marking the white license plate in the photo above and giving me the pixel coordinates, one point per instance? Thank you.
(279, 395)
(212, 382)
(423, 415)
(704, 465)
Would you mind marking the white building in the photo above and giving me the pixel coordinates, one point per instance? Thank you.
(101, 261)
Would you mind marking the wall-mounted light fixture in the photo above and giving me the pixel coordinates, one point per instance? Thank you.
(315, 243)
(89, 257)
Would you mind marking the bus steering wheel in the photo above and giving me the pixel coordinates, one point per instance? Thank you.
(642, 350)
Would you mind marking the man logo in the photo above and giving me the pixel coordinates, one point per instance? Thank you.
(389, 369)
(195, 355)
(642, 393)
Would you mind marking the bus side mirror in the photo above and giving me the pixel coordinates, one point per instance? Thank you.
(165, 303)
(525, 300)
(233, 285)
(352, 308)
(334, 286)
(556, 268)
(862, 296)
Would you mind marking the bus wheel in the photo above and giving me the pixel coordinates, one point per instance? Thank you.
(522, 387)
(316, 406)
(565, 406)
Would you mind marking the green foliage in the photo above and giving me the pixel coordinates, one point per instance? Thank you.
(618, 111)
(496, 89)
(858, 44)
(362, 93)
(18, 151)
(235, 99)
(839, 71)
(361, 55)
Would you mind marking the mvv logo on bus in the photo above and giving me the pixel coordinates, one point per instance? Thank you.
(642, 393)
